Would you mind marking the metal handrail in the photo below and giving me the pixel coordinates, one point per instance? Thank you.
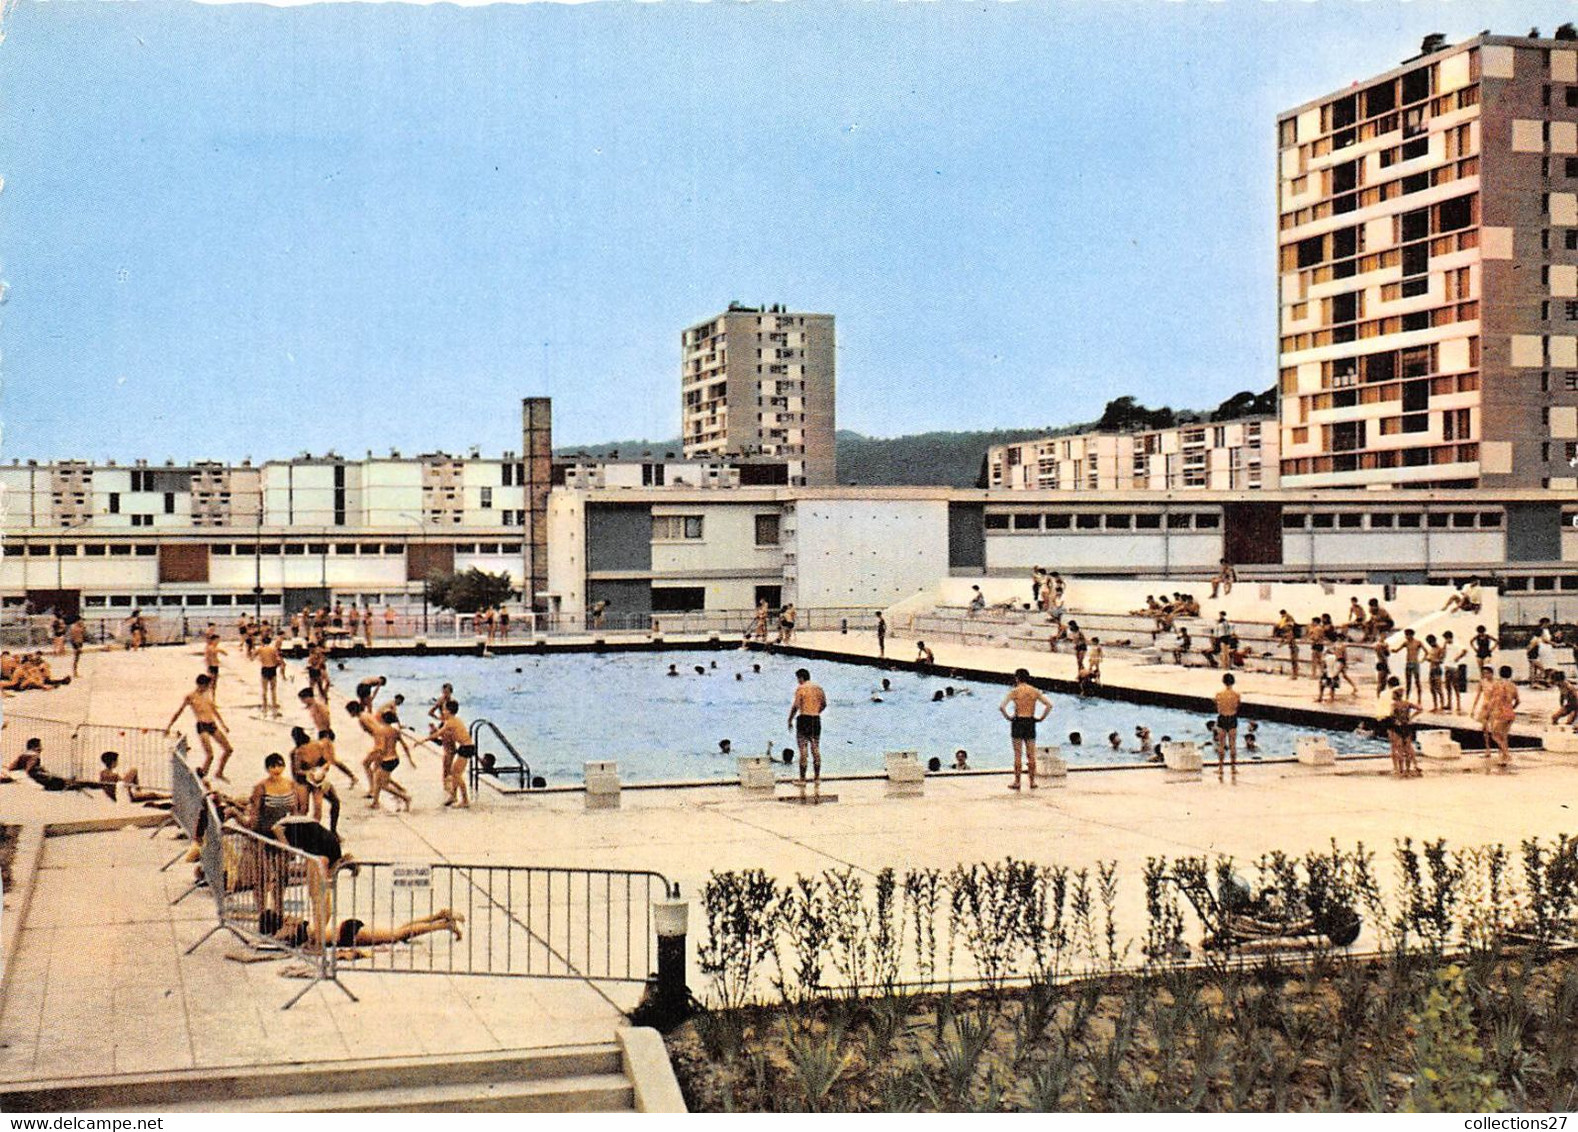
(522, 768)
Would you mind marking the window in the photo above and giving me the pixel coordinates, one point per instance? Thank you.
(1437, 520)
(1058, 522)
(1490, 519)
(678, 599)
(767, 530)
(1323, 520)
(1207, 521)
(295, 548)
(1292, 522)
(1381, 522)
(1087, 522)
(142, 520)
(487, 499)
(1408, 519)
(120, 550)
(1571, 239)
(317, 548)
(996, 522)
(1178, 522)
(675, 528)
(220, 548)
(94, 550)
(1147, 522)
(169, 503)
(1027, 522)
(1348, 520)
(115, 503)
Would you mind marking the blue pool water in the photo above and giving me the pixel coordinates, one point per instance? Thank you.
(562, 710)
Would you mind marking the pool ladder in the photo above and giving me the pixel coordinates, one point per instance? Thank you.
(521, 771)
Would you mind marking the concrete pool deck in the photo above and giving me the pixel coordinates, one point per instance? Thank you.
(97, 982)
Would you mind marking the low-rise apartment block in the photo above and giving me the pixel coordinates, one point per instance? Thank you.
(1234, 455)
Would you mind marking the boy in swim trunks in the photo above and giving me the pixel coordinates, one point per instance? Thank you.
(1227, 703)
(210, 726)
(1025, 698)
(808, 705)
(270, 665)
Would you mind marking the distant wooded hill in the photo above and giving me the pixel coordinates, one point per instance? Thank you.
(957, 459)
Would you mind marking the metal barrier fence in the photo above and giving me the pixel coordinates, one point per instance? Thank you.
(74, 750)
(144, 749)
(55, 735)
(588, 924)
(274, 897)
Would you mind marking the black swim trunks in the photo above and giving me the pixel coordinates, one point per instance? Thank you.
(465, 751)
(268, 672)
(347, 933)
(205, 728)
(390, 764)
(1022, 727)
(808, 726)
(1227, 722)
(311, 837)
(326, 734)
(213, 670)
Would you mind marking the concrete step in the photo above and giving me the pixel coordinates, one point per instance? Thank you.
(231, 1086)
(601, 1092)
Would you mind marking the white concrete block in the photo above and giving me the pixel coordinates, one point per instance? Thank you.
(1314, 750)
(1437, 743)
(1562, 741)
(1182, 756)
(906, 773)
(1051, 766)
(758, 774)
(602, 785)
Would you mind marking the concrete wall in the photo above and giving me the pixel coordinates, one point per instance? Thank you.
(867, 552)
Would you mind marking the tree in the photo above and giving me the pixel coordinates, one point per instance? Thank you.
(469, 591)
(1125, 414)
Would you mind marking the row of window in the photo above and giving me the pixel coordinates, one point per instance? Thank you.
(1091, 521)
(100, 550)
(1391, 520)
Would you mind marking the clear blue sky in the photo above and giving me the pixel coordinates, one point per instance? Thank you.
(241, 230)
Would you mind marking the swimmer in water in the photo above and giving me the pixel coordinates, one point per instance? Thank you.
(1075, 739)
(701, 670)
(1115, 741)
(937, 696)
(673, 670)
(1142, 740)
(961, 759)
(1251, 738)
(725, 747)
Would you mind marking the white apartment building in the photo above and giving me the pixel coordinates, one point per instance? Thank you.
(1235, 455)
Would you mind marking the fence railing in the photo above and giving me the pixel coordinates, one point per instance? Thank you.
(75, 750)
(587, 924)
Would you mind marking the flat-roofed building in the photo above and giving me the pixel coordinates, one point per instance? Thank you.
(1221, 455)
(760, 382)
(1428, 272)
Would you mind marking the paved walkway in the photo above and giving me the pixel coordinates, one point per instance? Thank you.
(98, 981)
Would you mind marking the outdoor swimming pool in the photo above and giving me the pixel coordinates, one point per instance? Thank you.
(562, 710)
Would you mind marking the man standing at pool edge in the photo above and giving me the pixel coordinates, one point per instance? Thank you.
(1022, 723)
(809, 703)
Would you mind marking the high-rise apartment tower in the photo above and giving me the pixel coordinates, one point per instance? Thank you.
(1428, 259)
(759, 382)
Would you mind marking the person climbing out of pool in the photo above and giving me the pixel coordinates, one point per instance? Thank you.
(805, 717)
(923, 655)
(1025, 698)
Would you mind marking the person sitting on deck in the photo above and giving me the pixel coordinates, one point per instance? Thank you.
(1466, 600)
